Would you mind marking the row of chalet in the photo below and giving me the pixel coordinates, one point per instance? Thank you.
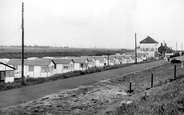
(44, 67)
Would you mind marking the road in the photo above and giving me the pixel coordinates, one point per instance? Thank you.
(24, 94)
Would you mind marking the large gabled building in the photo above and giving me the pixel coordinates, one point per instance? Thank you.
(148, 46)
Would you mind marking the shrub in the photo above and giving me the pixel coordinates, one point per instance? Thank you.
(175, 61)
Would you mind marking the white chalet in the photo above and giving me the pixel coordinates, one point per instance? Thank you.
(33, 68)
(91, 61)
(80, 63)
(99, 61)
(64, 65)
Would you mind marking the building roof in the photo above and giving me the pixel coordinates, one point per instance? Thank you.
(148, 39)
(110, 57)
(100, 58)
(1, 63)
(127, 56)
(62, 61)
(90, 58)
(36, 62)
(79, 60)
(120, 57)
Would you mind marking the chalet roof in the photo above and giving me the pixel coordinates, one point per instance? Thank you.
(62, 61)
(1, 63)
(138, 55)
(148, 39)
(80, 60)
(127, 56)
(110, 57)
(100, 58)
(90, 58)
(36, 62)
(119, 57)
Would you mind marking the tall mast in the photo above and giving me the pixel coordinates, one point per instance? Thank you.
(22, 72)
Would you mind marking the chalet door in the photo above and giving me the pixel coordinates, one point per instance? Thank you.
(2, 75)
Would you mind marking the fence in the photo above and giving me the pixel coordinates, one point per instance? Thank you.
(155, 78)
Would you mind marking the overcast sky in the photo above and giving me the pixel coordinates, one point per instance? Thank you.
(92, 23)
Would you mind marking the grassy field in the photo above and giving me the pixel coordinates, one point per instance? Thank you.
(15, 52)
(110, 97)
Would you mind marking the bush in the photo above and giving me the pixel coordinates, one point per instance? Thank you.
(175, 60)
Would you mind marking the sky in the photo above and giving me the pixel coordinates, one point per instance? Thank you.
(92, 23)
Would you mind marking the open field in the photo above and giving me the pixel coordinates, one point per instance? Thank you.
(15, 52)
(108, 96)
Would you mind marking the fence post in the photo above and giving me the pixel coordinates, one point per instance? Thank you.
(130, 88)
(174, 71)
(151, 80)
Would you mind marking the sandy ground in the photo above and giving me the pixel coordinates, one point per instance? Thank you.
(99, 98)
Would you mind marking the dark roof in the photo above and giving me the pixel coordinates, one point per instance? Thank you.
(62, 61)
(7, 65)
(148, 40)
(79, 60)
(119, 57)
(35, 62)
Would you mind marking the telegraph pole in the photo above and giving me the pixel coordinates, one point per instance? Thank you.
(108, 58)
(135, 49)
(22, 72)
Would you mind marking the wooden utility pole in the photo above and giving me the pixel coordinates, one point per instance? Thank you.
(135, 49)
(108, 58)
(22, 72)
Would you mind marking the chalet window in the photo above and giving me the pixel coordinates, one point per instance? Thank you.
(31, 68)
(44, 69)
(65, 67)
(9, 73)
